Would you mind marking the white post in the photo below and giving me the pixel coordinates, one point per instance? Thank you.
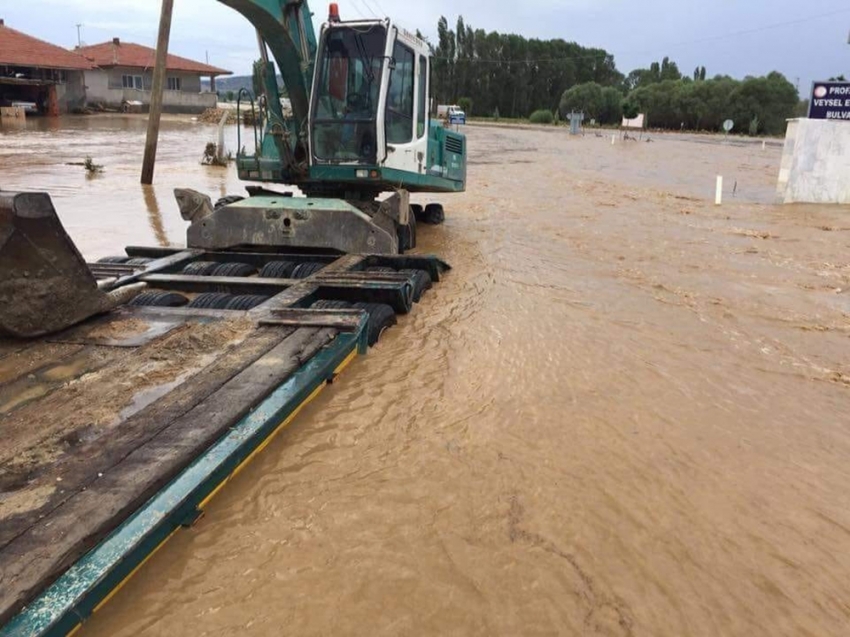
(763, 144)
(718, 194)
(220, 150)
(613, 139)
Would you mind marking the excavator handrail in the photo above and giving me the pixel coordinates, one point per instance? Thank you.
(287, 28)
(239, 121)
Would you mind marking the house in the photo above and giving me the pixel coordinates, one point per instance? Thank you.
(44, 77)
(122, 73)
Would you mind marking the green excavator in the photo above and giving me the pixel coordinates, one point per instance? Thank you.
(359, 139)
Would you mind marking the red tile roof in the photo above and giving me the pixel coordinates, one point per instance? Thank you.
(136, 55)
(20, 49)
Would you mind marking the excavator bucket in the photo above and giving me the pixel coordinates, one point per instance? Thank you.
(45, 284)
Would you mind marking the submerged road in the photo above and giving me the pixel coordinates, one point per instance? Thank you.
(625, 411)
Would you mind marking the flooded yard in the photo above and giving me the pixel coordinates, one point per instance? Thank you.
(626, 411)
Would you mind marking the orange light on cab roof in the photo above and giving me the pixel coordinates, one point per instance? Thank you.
(333, 12)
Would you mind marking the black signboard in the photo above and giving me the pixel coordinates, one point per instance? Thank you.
(830, 100)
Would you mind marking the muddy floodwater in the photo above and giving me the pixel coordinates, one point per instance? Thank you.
(624, 412)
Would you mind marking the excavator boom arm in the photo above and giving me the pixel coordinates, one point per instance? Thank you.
(287, 28)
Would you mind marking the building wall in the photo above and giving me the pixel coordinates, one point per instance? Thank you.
(106, 86)
(69, 88)
(71, 94)
(815, 164)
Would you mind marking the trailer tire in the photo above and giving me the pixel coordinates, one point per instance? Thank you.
(434, 214)
(211, 301)
(382, 270)
(200, 268)
(245, 302)
(328, 304)
(381, 317)
(138, 261)
(234, 268)
(115, 259)
(418, 211)
(277, 270)
(421, 282)
(303, 270)
(159, 299)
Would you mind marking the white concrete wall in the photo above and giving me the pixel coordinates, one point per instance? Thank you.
(97, 86)
(105, 87)
(815, 162)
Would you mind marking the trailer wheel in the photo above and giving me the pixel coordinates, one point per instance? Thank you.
(245, 302)
(382, 270)
(421, 282)
(327, 304)
(234, 268)
(418, 212)
(277, 270)
(200, 268)
(381, 317)
(211, 301)
(226, 201)
(138, 261)
(303, 270)
(160, 299)
(434, 214)
(116, 259)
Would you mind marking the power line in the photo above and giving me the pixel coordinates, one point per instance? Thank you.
(369, 7)
(378, 4)
(357, 9)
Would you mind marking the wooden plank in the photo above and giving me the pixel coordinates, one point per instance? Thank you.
(41, 377)
(39, 434)
(231, 284)
(39, 409)
(342, 320)
(82, 465)
(171, 261)
(185, 312)
(36, 557)
(27, 359)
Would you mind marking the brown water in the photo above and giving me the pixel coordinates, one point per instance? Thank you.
(624, 412)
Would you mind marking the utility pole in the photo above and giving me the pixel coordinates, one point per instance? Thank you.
(156, 91)
(79, 37)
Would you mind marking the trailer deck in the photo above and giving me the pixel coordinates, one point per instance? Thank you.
(118, 431)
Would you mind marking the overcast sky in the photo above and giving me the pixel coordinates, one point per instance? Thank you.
(803, 40)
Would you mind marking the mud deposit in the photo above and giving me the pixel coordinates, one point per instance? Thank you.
(625, 412)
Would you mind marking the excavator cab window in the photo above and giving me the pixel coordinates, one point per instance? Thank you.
(400, 96)
(345, 110)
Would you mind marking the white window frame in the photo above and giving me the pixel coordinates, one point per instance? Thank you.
(132, 81)
(174, 83)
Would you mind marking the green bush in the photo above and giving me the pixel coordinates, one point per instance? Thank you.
(543, 116)
(465, 104)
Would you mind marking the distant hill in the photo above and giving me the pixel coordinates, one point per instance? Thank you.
(233, 83)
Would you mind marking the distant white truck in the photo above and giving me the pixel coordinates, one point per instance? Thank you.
(452, 113)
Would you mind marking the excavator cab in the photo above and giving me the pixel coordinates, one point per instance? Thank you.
(347, 94)
(369, 109)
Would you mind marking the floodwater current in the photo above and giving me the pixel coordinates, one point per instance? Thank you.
(625, 411)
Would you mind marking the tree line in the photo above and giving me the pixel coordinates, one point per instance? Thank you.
(507, 75)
